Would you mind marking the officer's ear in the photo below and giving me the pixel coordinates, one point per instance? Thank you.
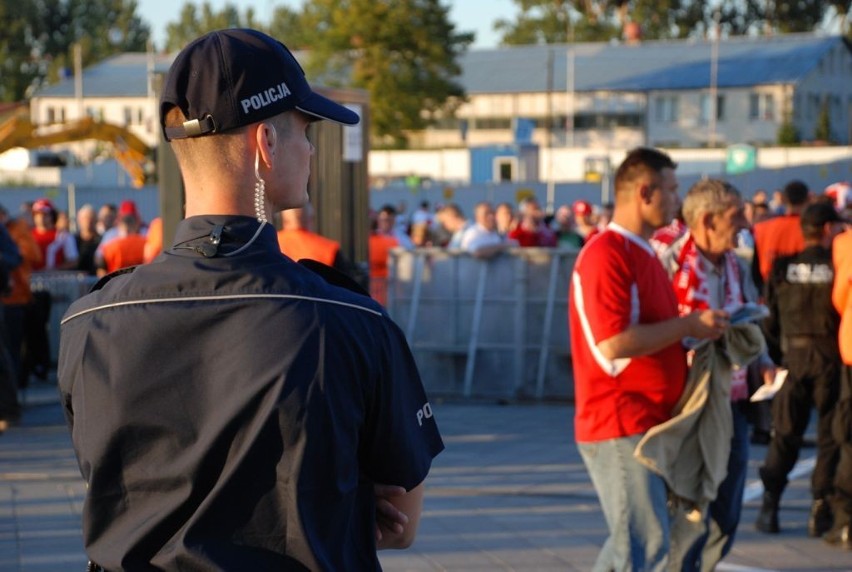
(265, 138)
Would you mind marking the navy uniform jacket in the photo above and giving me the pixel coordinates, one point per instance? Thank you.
(230, 410)
(798, 293)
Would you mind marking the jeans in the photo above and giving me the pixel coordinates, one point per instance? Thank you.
(720, 524)
(634, 503)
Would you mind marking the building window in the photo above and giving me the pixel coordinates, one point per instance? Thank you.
(96, 113)
(607, 120)
(128, 116)
(51, 115)
(705, 108)
(666, 109)
(813, 106)
(505, 169)
(492, 123)
(761, 107)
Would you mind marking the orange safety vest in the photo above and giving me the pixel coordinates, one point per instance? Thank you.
(299, 244)
(841, 295)
(153, 240)
(123, 252)
(779, 236)
(31, 257)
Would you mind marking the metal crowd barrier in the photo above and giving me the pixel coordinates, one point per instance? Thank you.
(486, 328)
(64, 287)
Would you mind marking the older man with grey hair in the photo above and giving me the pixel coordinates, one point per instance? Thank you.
(707, 274)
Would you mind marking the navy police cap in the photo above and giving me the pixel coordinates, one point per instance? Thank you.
(235, 77)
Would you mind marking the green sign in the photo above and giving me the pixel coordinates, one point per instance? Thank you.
(740, 159)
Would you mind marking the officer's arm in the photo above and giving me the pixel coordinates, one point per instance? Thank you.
(397, 515)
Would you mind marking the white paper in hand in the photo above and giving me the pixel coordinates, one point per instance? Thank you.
(765, 392)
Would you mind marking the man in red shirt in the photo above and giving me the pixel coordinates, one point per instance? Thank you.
(629, 364)
(58, 247)
(531, 230)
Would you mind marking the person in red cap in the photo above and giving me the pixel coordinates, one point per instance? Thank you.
(58, 247)
(232, 409)
(584, 220)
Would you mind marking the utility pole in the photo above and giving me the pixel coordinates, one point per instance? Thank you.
(714, 78)
(78, 79)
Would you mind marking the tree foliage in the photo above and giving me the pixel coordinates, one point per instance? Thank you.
(788, 135)
(554, 21)
(194, 21)
(402, 52)
(38, 38)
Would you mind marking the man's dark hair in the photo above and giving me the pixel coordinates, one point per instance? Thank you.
(795, 193)
(388, 209)
(639, 161)
(455, 209)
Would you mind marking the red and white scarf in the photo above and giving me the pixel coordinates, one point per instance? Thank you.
(690, 286)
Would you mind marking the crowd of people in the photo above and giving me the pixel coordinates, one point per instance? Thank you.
(42, 238)
(668, 321)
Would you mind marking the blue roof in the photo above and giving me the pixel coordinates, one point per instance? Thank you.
(648, 66)
(123, 75)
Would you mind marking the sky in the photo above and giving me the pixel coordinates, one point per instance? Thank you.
(477, 16)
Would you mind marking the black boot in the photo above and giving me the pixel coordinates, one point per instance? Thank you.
(767, 518)
(820, 519)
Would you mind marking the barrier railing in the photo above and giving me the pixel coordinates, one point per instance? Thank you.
(486, 328)
(64, 287)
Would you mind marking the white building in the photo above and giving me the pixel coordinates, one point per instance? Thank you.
(118, 90)
(652, 93)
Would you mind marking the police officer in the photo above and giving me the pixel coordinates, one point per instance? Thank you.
(801, 333)
(230, 408)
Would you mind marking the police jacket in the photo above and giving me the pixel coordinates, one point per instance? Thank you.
(798, 294)
(231, 409)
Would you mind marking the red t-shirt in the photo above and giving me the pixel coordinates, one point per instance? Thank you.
(527, 238)
(618, 281)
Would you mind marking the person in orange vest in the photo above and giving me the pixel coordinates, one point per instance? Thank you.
(841, 296)
(780, 235)
(382, 241)
(297, 240)
(18, 301)
(153, 240)
(126, 250)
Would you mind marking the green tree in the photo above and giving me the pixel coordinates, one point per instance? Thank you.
(286, 26)
(402, 52)
(38, 38)
(558, 21)
(788, 135)
(195, 21)
(553, 21)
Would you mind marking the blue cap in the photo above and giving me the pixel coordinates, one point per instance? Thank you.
(235, 77)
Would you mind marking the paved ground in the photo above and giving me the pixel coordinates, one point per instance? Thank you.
(509, 493)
